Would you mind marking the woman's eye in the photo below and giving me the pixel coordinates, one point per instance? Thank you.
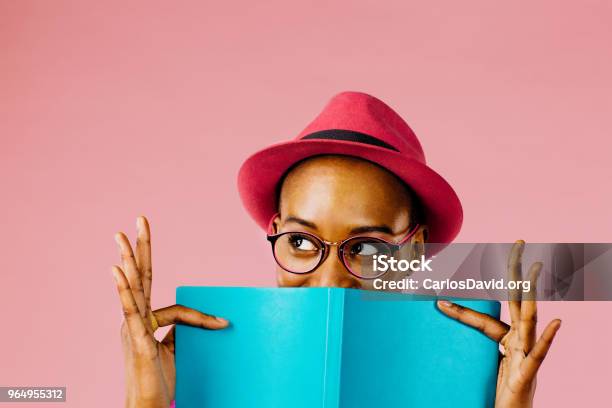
(302, 243)
(364, 249)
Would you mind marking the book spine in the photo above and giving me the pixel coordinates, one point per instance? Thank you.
(333, 349)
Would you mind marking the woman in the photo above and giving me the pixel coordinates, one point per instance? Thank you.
(356, 174)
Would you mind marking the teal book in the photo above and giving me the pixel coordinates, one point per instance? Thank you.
(331, 348)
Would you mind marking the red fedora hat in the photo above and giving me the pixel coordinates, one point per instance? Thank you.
(359, 125)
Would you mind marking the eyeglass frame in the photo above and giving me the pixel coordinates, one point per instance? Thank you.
(395, 246)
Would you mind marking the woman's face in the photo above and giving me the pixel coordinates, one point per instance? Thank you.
(337, 197)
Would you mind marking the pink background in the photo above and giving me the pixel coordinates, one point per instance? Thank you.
(113, 109)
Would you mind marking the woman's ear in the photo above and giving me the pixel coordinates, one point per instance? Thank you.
(422, 234)
(275, 224)
(419, 240)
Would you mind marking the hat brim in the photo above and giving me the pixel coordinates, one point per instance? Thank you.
(259, 175)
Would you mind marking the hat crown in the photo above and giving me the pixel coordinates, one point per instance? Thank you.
(366, 114)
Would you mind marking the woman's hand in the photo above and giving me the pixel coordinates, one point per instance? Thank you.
(522, 357)
(149, 364)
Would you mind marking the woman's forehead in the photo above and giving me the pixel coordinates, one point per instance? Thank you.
(345, 193)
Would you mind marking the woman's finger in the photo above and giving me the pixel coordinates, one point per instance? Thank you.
(136, 326)
(131, 271)
(143, 257)
(491, 327)
(185, 315)
(533, 361)
(534, 275)
(529, 318)
(515, 268)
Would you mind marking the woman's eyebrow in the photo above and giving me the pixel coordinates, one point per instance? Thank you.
(372, 228)
(357, 230)
(302, 222)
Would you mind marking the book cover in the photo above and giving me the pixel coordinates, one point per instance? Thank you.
(331, 348)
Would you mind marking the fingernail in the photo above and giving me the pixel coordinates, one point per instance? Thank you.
(444, 303)
(222, 320)
(114, 273)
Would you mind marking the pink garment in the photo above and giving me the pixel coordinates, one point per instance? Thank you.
(172, 405)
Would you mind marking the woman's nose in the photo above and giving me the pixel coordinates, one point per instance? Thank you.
(332, 273)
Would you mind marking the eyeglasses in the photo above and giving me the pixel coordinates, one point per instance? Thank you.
(302, 252)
